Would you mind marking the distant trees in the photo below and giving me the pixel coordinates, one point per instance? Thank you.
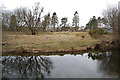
(64, 21)
(103, 21)
(5, 19)
(46, 22)
(93, 23)
(13, 23)
(76, 19)
(22, 19)
(20, 14)
(54, 20)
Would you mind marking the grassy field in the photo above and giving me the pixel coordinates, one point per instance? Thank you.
(49, 40)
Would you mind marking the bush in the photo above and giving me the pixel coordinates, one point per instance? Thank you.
(96, 32)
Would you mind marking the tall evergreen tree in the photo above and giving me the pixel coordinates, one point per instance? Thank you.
(93, 23)
(46, 22)
(13, 23)
(64, 21)
(76, 19)
(54, 20)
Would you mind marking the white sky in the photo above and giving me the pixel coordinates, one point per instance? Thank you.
(65, 8)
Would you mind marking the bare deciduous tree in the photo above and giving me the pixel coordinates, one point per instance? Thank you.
(111, 16)
(33, 18)
(30, 18)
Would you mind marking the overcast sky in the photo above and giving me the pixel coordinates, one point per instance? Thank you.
(65, 8)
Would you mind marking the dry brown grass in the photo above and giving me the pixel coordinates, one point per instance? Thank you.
(48, 40)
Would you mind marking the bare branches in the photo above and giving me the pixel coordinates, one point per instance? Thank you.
(111, 16)
(30, 18)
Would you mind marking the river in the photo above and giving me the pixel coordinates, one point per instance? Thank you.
(87, 65)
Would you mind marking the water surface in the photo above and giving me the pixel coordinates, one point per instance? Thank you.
(87, 65)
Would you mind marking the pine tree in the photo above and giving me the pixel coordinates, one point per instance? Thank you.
(54, 21)
(13, 23)
(76, 19)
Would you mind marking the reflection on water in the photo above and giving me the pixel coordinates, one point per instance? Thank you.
(25, 67)
(110, 63)
(88, 65)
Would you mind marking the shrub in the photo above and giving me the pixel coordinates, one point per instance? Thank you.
(96, 32)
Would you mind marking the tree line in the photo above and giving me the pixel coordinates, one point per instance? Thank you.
(34, 21)
(110, 20)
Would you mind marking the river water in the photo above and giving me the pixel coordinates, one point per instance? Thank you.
(87, 65)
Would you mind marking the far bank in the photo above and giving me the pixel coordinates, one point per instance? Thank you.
(50, 42)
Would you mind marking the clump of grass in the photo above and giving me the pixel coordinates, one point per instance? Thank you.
(83, 36)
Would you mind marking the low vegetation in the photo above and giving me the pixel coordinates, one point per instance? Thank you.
(97, 32)
(48, 40)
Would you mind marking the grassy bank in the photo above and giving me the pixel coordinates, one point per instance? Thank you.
(49, 41)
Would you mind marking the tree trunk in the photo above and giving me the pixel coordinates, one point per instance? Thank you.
(119, 27)
(54, 27)
(33, 30)
(119, 23)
